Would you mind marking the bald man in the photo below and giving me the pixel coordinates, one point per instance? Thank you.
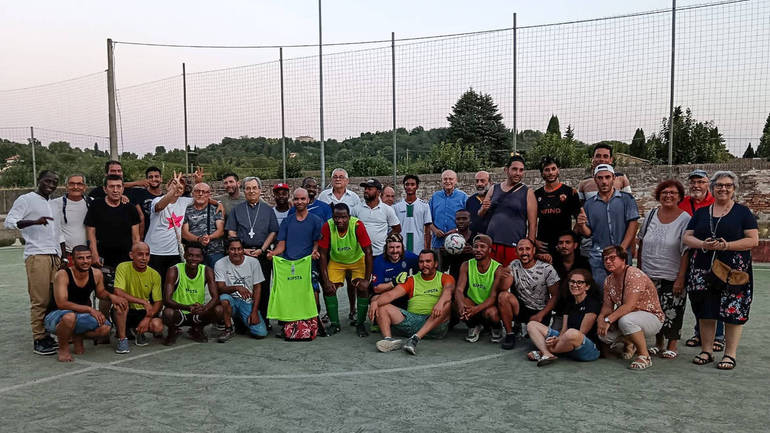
(138, 284)
(388, 196)
(478, 223)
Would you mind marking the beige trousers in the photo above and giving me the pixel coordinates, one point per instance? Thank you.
(41, 269)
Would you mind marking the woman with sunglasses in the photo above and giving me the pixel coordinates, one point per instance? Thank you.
(578, 332)
(725, 231)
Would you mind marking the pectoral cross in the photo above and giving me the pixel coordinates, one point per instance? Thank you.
(251, 234)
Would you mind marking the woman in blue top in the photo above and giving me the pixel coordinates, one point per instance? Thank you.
(724, 231)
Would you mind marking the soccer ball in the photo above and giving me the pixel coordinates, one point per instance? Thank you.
(454, 243)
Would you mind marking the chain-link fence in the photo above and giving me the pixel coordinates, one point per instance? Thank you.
(604, 78)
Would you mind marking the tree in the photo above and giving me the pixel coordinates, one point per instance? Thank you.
(367, 166)
(763, 149)
(638, 146)
(569, 134)
(566, 152)
(749, 153)
(694, 142)
(476, 121)
(160, 150)
(553, 126)
(451, 156)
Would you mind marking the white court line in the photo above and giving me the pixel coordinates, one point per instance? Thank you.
(92, 366)
(300, 376)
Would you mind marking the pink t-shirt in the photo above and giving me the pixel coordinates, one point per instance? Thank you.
(635, 282)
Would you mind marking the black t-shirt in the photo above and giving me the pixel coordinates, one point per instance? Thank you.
(143, 198)
(97, 192)
(478, 223)
(113, 230)
(564, 296)
(555, 210)
(576, 313)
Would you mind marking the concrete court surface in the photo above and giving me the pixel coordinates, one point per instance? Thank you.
(342, 384)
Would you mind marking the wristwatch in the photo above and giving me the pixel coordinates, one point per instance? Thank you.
(607, 320)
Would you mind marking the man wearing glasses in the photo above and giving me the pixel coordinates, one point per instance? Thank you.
(69, 212)
(204, 224)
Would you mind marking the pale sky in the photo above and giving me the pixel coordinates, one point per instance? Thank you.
(606, 78)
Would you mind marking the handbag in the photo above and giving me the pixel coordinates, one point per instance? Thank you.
(301, 330)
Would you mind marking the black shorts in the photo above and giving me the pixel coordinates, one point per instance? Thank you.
(525, 315)
(132, 319)
(189, 319)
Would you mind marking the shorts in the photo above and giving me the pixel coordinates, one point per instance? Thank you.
(414, 322)
(583, 353)
(337, 271)
(525, 315)
(632, 323)
(84, 322)
(133, 317)
(241, 312)
(315, 276)
(504, 254)
(189, 319)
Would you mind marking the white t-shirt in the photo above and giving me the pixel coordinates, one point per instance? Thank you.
(662, 246)
(378, 221)
(280, 216)
(413, 223)
(349, 198)
(38, 238)
(165, 225)
(246, 274)
(531, 285)
(73, 231)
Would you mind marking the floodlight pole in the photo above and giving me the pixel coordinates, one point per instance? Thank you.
(514, 83)
(184, 102)
(321, 93)
(113, 126)
(283, 123)
(393, 80)
(671, 97)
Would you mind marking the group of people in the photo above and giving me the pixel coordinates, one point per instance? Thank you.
(553, 264)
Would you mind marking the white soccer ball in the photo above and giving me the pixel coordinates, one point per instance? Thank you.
(454, 243)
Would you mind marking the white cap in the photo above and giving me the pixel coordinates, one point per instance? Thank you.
(603, 167)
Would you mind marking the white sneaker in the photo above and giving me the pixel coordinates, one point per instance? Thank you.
(497, 335)
(474, 334)
(388, 344)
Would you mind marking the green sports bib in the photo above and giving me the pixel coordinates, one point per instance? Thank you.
(425, 295)
(190, 291)
(291, 291)
(480, 285)
(345, 249)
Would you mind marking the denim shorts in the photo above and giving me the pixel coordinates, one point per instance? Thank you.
(583, 353)
(413, 322)
(84, 322)
(241, 312)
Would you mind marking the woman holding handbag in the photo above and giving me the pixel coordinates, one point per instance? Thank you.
(720, 279)
(663, 257)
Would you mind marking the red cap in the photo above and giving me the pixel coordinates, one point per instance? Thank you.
(281, 185)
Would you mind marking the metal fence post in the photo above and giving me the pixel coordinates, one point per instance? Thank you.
(184, 102)
(393, 80)
(514, 84)
(113, 126)
(321, 94)
(34, 163)
(283, 123)
(671, 97)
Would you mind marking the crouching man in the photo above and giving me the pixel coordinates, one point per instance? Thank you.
(184, 296)
(427, 312)
(75, 317)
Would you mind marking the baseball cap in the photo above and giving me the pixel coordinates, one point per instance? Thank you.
(603, 167)
(698, 173)
(281, 185)
(371, 182)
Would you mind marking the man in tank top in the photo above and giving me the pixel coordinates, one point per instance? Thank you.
(513, 209)
(75, 318)
(476, 291)
(184, 296)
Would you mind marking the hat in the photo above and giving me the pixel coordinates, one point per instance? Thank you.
(603, 167)
(281, 185)
(371, 182)
(698, 173)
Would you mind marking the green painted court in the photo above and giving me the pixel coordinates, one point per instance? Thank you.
(343, 384)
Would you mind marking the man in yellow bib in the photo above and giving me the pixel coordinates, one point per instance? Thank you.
(428, 310)
(185, 293)
(345, 248)
(475, 296)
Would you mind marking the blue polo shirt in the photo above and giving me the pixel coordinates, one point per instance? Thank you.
(318, 208)
(442, 210)
(608, 221)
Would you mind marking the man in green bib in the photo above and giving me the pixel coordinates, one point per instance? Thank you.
(184, 296)
(428, 310)
(476, 291)
(345, 248)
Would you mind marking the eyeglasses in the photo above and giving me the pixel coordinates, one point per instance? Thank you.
(610, 258)
(723, 185)
(200, 191)
(669, 193)
(577, 282)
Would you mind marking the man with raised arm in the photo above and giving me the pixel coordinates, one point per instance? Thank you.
(139, 285)
(75, 318)
(184, 296)
(428, 310)
(475, 297)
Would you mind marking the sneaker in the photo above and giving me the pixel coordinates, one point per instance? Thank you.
(225, 335)
(325, 319)
(51, 341)
(197, 334)
(130, 334)
(333, 328)
(141, 339)
(352, 318)
(220, 326)
(279, 330)
(497, 335)
(411, 345)
(43, 347)
(509, 342)
(122, 346)
(361, 330)
(388, 344)
(473, 334)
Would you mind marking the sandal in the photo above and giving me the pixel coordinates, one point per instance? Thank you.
(699, 360)
(669, 354)
(719, 345)
(546, 360)
(727, 363)
(534, 355)
(654, 350)
(641, 362)
(693, 342)
(628, 352)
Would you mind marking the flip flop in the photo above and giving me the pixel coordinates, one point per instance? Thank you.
(669, 354)
(699, 360)
(727, 363)
(719, 345)
(546, 360)
(693, 342)
(534, 355)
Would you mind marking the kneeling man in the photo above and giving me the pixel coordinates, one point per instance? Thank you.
(185, 293)
(428, 310)
(75, 317)
(478, 283)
